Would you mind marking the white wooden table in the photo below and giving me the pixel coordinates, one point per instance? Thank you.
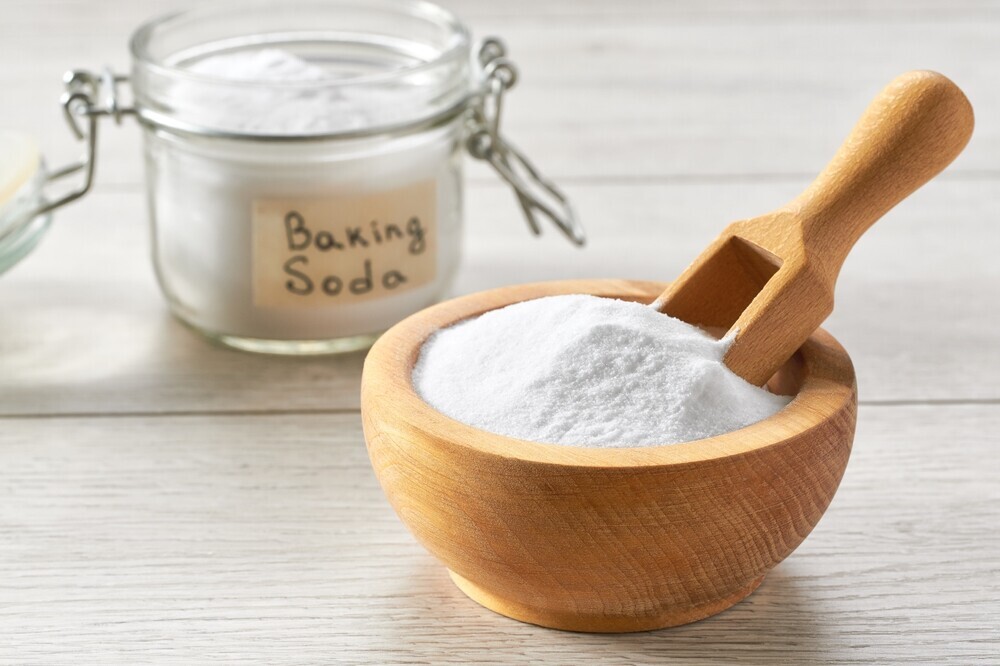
(164, 500)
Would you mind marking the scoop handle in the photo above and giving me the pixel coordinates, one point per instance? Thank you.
(909, 133)
(912, 130)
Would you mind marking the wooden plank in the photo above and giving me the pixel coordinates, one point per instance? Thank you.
(640, 95)
(85, 328)
(206, 538)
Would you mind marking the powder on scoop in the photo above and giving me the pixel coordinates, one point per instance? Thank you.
(587, 371)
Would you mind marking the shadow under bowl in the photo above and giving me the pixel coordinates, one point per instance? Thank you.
(598, 539)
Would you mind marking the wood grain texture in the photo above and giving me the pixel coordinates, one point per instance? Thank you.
(770, 280)
(599, 539)
(209, 539)
(191, 526)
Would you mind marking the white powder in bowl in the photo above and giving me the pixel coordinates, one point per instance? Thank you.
(587, 371)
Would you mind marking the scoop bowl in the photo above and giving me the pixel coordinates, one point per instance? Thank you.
(601, 539)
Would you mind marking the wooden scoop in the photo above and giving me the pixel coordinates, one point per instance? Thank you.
(769, 280)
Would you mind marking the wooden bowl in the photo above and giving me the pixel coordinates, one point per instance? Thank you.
(596, 539)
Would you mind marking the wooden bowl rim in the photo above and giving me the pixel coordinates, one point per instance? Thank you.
(829, 382)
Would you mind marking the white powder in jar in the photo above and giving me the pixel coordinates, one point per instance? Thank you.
(295, 106)
(267, 64)
(204, 190)
(587, 371)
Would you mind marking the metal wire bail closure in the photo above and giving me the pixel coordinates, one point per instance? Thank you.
(537, 195)
(89, 96)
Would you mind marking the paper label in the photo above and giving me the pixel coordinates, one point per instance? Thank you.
(315, 252)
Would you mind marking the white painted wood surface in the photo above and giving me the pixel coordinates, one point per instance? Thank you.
(164, 500)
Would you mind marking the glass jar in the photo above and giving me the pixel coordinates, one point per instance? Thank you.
(22, 180)
(304, 162)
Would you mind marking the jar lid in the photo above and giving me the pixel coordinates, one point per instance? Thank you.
(21, 178)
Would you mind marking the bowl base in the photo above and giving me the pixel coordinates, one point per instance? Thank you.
(568, 621)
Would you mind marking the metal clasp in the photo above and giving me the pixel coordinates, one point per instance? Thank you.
(86, 99)
(536, 194)
(89, 96)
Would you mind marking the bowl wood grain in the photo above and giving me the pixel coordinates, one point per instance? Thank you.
(606, 540)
